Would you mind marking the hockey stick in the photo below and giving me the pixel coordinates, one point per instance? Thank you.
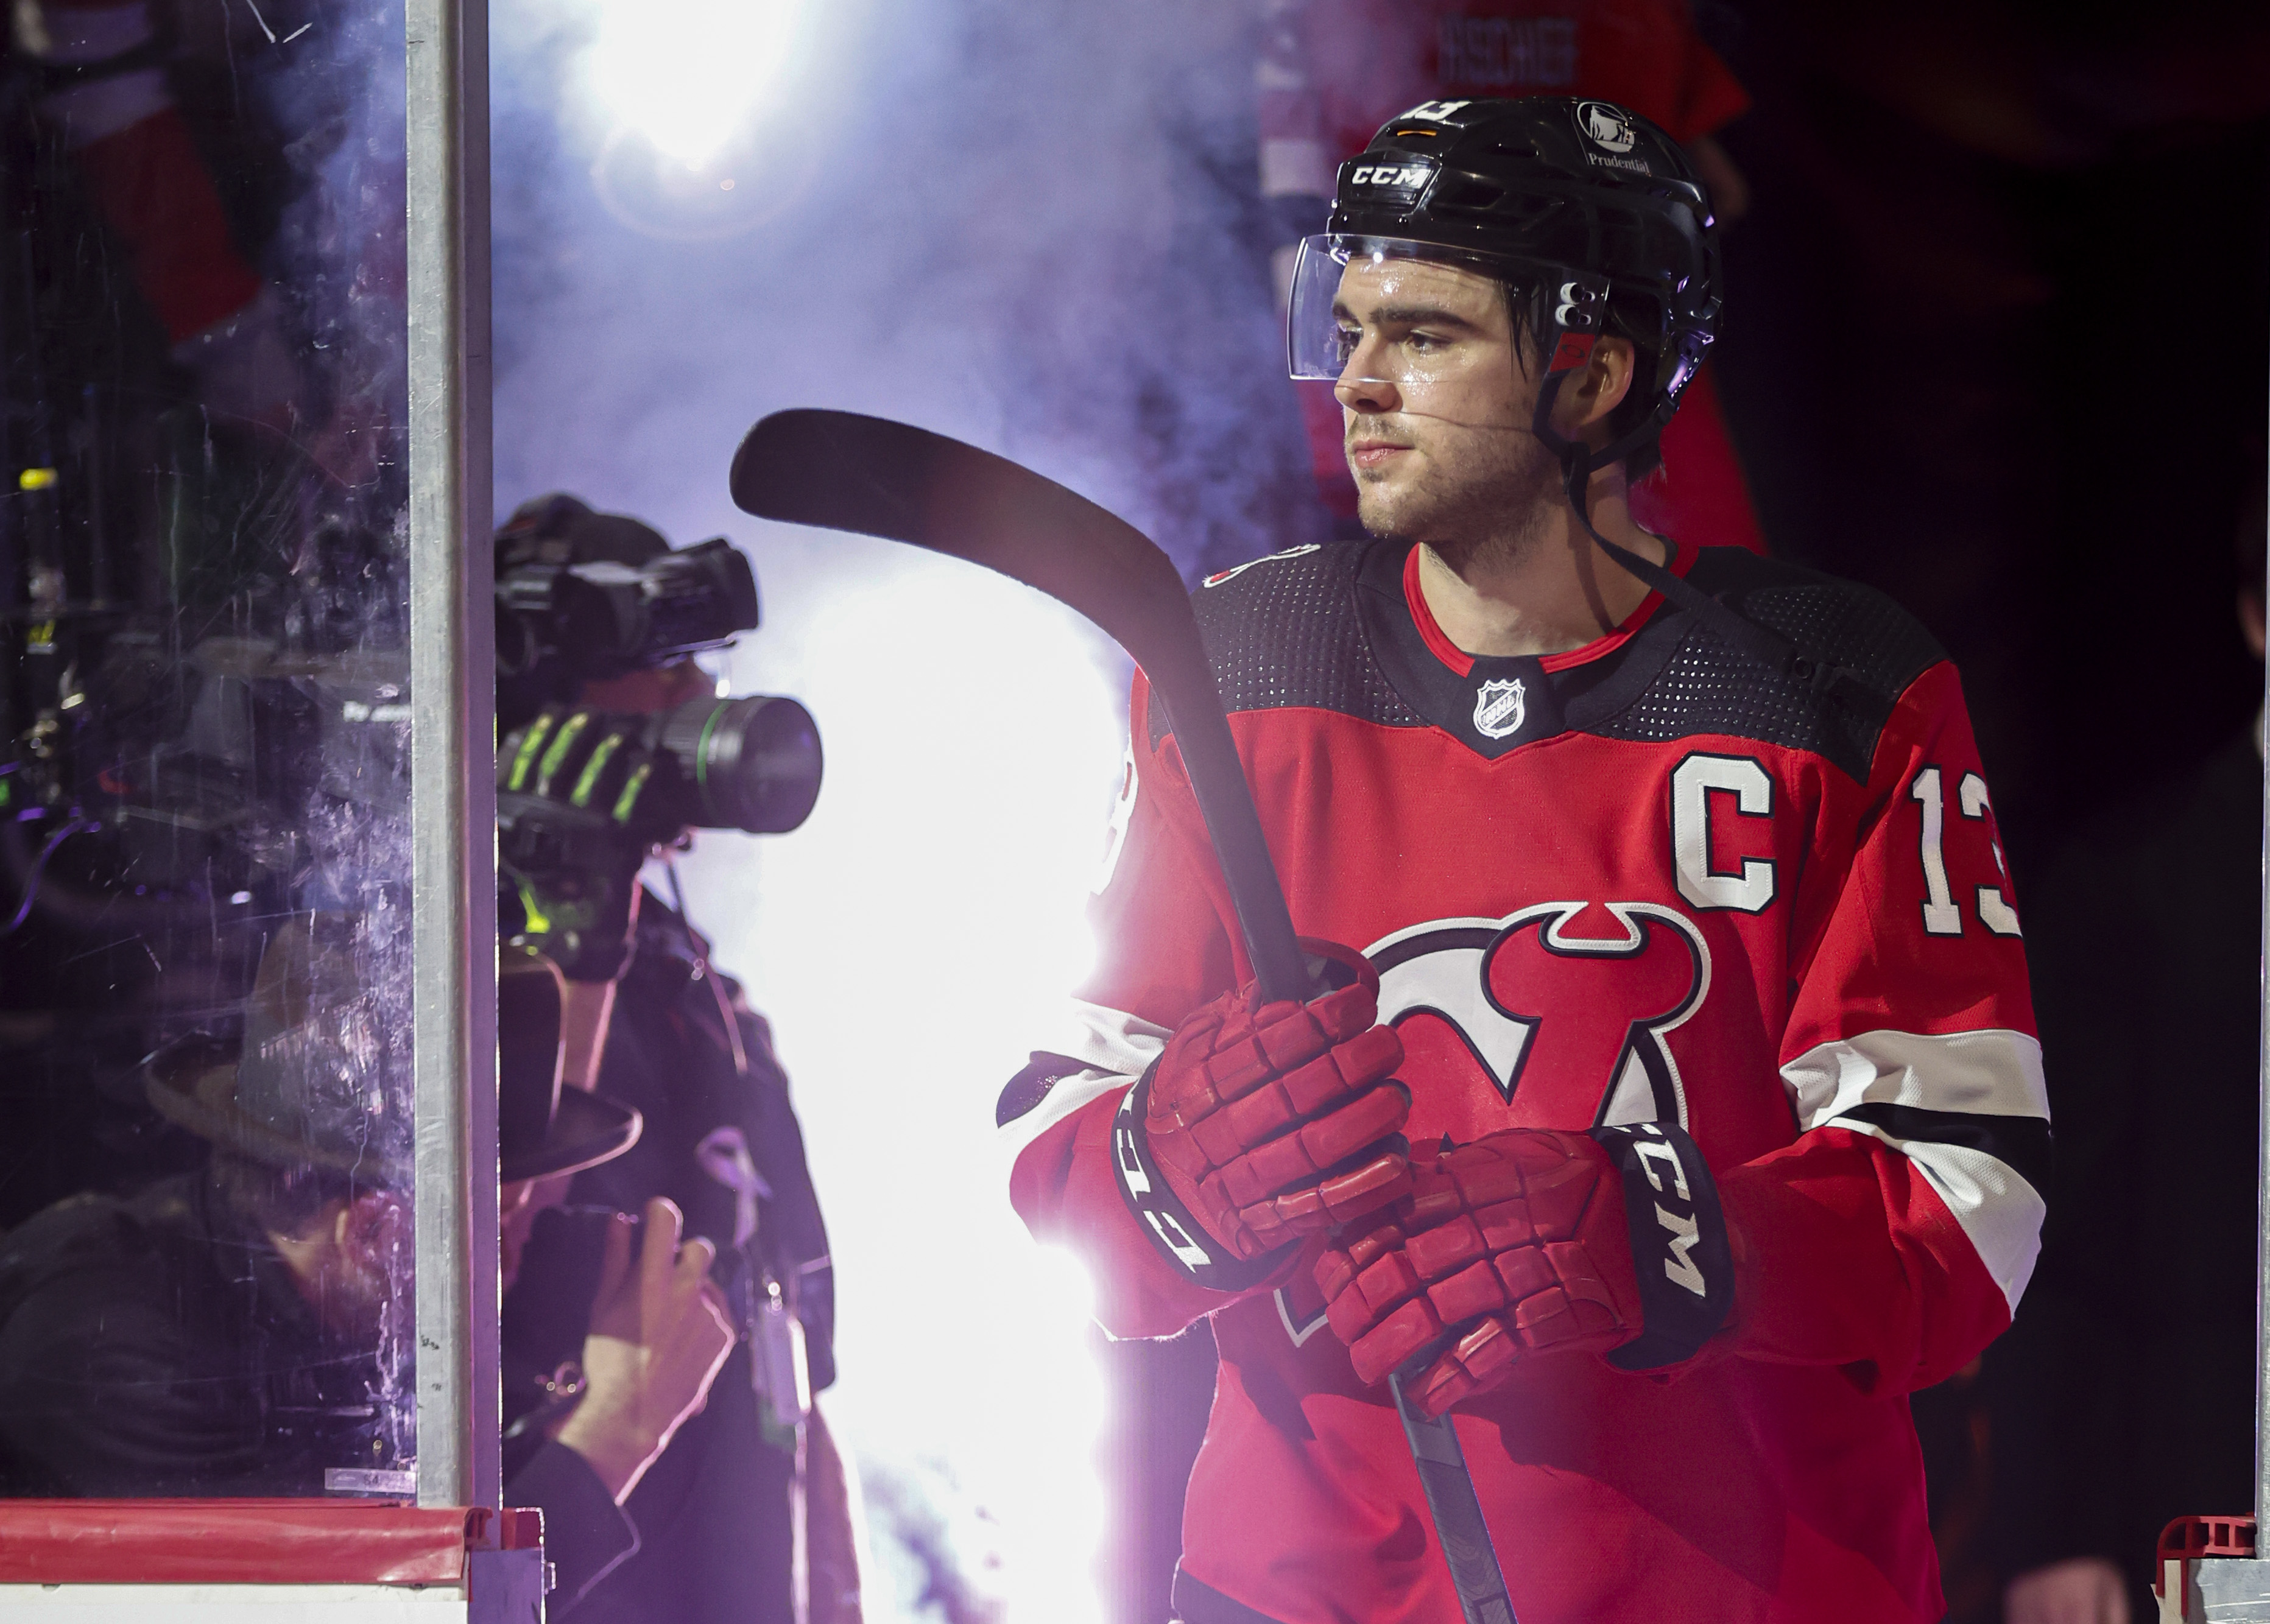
(842, 471)
(839, 470)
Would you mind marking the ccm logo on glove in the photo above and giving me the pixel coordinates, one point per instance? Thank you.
(1261, 1123)
(1532, 1242)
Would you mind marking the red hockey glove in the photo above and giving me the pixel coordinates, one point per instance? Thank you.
(1261, 1123)
(1531, 1242)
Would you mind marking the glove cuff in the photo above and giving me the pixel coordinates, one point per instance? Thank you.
(1680, 1256)
(1180, 1239)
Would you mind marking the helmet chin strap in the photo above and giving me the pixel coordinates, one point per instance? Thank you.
(1578, 462)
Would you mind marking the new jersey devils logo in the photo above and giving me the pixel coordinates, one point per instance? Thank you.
(1573, 1022)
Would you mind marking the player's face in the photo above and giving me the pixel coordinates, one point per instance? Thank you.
(1435, 402)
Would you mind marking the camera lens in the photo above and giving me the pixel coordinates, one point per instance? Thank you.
(751, 763)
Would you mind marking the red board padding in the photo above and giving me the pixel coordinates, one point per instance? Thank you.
(248, 1541)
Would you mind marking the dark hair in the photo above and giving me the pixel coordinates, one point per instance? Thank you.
(1525, 302)
(279, 1200)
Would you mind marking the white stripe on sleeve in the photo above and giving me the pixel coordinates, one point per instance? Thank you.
(1969, 1108)
(1115, 1048)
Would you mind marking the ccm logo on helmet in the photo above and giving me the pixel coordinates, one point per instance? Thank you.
(1390, 174)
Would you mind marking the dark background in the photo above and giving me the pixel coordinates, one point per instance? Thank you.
(1996, 343)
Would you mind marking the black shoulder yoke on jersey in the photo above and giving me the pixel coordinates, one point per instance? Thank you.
(1328, 628)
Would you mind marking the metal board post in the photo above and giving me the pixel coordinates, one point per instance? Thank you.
(2262, 1179)
(453, 796)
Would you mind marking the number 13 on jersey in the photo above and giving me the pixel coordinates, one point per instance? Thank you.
(1942, 915)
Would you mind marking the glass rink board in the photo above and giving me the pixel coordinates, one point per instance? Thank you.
(247, 880)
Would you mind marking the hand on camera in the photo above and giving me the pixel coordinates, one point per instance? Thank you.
(1270, 1121)
(1513, 1246)
(573, 830)
(659, 1334)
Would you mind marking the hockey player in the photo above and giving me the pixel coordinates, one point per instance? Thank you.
(1681, 1112)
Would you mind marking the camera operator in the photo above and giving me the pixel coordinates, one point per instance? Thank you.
(601, 703)
(225, 1332)
(655, 1329)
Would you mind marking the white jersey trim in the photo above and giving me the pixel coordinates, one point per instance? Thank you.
(2000, 1213)
(1115, 1047)
(1996, 1072)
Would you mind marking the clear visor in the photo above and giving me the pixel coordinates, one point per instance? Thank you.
(1425, 330)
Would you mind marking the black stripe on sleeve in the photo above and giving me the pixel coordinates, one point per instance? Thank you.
(1024, 1092)
(2020, 1143)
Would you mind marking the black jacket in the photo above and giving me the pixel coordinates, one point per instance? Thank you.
(157, 1347)
(714, 1511)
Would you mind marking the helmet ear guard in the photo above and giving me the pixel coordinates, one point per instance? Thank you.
(1578, 316)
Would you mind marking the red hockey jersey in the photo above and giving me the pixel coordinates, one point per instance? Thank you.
(1648, 880)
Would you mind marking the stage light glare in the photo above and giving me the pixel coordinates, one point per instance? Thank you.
(1055, 1521)
(688, 74)
(914, 942)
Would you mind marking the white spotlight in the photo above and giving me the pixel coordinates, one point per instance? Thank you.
(688, 74)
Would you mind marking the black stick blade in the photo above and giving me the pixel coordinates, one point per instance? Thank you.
(839, 470)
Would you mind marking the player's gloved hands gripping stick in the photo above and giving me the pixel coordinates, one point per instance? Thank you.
(1264, 1122)
(1531, 1241)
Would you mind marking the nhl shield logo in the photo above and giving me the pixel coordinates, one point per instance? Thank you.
(1499, 709)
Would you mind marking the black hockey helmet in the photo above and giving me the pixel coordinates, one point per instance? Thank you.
(1581, 205)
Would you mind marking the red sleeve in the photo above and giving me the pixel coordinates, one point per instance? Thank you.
(1894, 1236)
(1164, 947)
(1646, 55)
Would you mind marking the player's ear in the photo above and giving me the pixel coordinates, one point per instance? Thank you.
(1607, 379)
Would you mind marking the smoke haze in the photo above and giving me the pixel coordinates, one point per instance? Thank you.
(1033, 226)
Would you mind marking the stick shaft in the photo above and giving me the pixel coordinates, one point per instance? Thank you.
(1224, 799)
(1457, 1511)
